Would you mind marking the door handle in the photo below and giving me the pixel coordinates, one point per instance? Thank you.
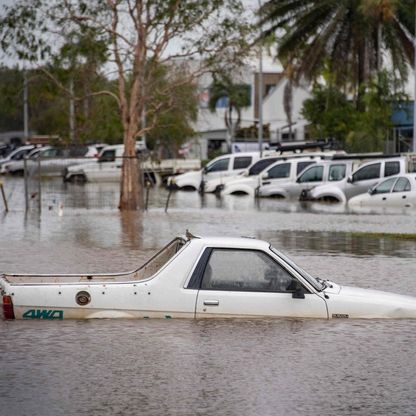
(211, 302)
(404, 196)
(266, 183)
(384, 198)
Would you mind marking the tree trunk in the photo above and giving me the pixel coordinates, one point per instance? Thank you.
(131, 195)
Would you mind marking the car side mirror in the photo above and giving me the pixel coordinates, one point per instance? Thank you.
(265, 175)
(350, 179)
(298, 290)
(372, 191)
(297, 180)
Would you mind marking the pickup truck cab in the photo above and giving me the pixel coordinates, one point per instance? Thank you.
(106, 168)
(283, 169)
(217, 169)
(279, 179)
(198, 277)
(358, 181)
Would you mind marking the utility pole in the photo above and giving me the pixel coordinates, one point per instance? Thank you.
(25, 107)
(260, 89)
(414, 89)
(71, 112)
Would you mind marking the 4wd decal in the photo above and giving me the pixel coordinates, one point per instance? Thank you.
(43, 314)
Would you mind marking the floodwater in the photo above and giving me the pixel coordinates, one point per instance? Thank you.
(205, 367)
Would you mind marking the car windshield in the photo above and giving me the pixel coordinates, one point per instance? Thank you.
(318, 285)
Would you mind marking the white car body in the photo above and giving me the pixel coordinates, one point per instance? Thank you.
(249, 182)
(394, 192)
(15, 155)
(52, 161)
(198, 278)
(215, 172)
(107, 167)
(279, 179)
(359, 181)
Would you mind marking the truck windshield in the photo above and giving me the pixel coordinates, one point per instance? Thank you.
(317, 285)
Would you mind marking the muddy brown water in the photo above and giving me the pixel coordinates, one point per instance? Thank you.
(224, 367)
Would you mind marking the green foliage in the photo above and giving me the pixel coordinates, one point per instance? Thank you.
(11, 99)
(332, 115)
(349, 35)
(329, 112)
(372, 126)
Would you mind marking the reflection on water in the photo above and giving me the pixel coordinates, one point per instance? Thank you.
(230, 367)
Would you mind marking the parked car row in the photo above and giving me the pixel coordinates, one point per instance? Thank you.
(316, 176)
(53, 159)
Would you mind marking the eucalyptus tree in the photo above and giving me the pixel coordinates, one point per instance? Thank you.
(348, 35)
(189, 36)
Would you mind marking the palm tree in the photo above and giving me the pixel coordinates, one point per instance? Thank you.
(238, 96)
(347, 35)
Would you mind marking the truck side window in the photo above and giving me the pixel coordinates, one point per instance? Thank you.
(279, 171)
(336, 173)
(108, 156)
(302, 166)
(392, 168)
(245, 270)
(218, 166)
(313, 174)
(242, 162)
(367, 172)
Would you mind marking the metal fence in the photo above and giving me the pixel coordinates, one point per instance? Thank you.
(56, 184)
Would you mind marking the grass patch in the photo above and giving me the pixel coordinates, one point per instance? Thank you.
(393, 236)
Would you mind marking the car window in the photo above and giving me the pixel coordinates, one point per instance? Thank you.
(242, 162)
(108, 156)
(313, 174)
(384, 186)
(303, 165)
(367, 172)
(245, 270)
(336, 173)
(280, 171)
(261, 165)
(19, 155)
(402, 185)
(49, 153)
(218, 166)
(391, 168)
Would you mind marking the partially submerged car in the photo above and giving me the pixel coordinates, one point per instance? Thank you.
(198, 278)
(356, 182)
(217, 169)
(280, 172)
(51, 160)
(394, 192)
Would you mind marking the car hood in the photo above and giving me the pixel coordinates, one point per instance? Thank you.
(352, 302)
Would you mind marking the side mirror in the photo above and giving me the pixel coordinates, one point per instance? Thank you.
(298, 290)
(350, 179)
(265, 175)
(372, 191)
(298, 180)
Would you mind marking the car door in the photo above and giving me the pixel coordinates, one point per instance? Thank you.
(245, 282)
(217, 169)
(380, 196)
(363, 179)
(310, 178)
(401, 195)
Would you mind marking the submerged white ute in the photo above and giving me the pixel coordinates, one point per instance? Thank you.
(198, 277)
